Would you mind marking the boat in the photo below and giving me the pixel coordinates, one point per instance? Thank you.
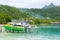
(12, 28)
(18, 27)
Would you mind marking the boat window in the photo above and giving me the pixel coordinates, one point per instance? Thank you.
(16, 25)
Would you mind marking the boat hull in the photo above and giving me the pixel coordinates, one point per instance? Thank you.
(14, 28)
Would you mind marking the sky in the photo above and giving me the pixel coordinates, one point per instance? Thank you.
(29, 3)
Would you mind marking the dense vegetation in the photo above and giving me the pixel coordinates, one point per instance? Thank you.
(8, 13)
(52, 13)
(33, 15)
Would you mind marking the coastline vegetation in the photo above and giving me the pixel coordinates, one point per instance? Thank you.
(8, 13)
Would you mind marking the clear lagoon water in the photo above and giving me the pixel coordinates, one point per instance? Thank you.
(50, 32)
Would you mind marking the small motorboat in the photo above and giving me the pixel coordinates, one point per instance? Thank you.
(12, 28)
(17, 27)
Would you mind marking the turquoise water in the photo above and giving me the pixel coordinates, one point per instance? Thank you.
(50, 32)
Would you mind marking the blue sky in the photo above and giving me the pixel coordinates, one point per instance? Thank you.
(29, 3)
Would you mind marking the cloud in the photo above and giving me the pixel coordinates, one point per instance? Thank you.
(29, 3)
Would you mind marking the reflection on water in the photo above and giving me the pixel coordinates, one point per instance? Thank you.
(44, 33)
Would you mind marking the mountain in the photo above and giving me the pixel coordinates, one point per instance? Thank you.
(7, 13)
(51, 12)
(49, 6)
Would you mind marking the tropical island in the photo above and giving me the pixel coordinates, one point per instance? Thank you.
(47, 14)
(34, 16)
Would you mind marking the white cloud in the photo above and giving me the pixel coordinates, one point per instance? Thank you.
(29, 3)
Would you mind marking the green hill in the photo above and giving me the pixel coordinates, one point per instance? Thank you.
(52, 12)
(7, 13)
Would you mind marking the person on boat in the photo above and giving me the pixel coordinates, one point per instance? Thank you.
(29, 28)
(26, 28)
